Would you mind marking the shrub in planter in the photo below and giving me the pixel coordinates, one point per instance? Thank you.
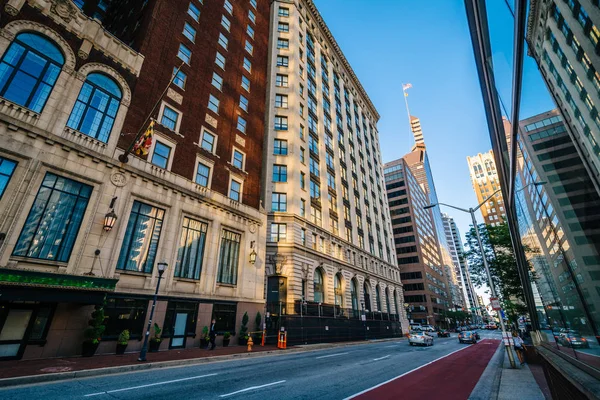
(243, 338)
(156, 339)
(93, 333)
(226, 339)
(205, 338)
(122, 341)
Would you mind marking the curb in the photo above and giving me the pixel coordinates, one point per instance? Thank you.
(87, 373)
(488, 386)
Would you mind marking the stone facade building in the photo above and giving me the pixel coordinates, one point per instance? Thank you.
(485, 181)
(74, 92)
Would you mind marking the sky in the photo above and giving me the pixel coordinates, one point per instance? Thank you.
(427, 44)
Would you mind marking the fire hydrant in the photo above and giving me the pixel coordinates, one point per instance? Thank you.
(250, 343)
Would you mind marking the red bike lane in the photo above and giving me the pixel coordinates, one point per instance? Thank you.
(452, 377)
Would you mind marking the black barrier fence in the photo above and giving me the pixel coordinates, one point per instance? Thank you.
(322, 323)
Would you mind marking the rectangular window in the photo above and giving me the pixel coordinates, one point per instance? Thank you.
(220, 60)
(250, 31)
(213, 104)
(246, 83)
(316, 217)
(7, 167)
(283, 43)
(161, 155)
(278, 232)
(225, 23)
(225, 316)
(302, 180)
(283, 27)
(281, 123)
(208, 141)
(284, 12)
(279, 202)
(184, 54)
(189, 32)
(53, 222)
(241, 124)
(281, 80)
(279, 173)
(140, 243)
(303, 236)
(223, 41)
(247, 65)
(229, 255)
(217, 81)
(243, 103)
(252, 16)
(281, 101)
(169, 118)
(202, 175)
(315, 190)
(303, 208)
(194, 12)
(302, 157)
(282, 61)
(280, 147)
(314, 166)
(238, 159)
(191, 249)
(228, 6)
(124, 313)
(235, 190)
(253, 3)
(179, 78)
(249, 48)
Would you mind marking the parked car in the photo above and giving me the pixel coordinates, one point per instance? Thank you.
(443, 333)
(420, 339)
(467, 337)
(416, 327)
(476, 335)
(573, 340)
(428, 328)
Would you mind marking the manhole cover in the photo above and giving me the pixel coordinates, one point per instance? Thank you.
(56, 369)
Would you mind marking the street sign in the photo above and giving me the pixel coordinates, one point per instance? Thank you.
(495, 303)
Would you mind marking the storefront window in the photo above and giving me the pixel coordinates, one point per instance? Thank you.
(124, 313)
(180, 307)
(225, 315)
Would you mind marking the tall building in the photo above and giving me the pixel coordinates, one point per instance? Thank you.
(330, 242)
(460, 264)
(484, 178)
(422, 272)
(80, 225)
(563, 38)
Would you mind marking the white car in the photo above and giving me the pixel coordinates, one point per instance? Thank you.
(420, 339)
(428, 328)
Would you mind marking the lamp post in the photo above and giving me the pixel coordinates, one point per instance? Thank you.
(161, 266)
(485, 263)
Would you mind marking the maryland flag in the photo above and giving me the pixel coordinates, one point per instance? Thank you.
(143, 144)
(406, 86)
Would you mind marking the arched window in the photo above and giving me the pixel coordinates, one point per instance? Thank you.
(96, 107)
(387, 301)
(354, 294)
(338, 291)
(367, 296)
(29, 69)
(319, 292)
(378, 297)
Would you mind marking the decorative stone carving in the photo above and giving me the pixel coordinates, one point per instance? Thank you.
(64, 9)
(240, 140)
(173, 95)
(85, 49)
(211, 120)
(118, 179)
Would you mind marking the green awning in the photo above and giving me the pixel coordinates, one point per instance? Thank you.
(19, 277)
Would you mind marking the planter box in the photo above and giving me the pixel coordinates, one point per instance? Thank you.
(153, 346)
(88, 349)
(121, 349)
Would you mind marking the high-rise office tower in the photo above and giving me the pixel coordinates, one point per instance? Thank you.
(83, 227)
(457, 252)
(329, 233)
(484, 178)
(564, 38)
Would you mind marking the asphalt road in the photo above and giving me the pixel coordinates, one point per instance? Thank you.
(324, 374)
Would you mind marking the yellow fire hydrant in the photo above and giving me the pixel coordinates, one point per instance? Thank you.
(250, 343)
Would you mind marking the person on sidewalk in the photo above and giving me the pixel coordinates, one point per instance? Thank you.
(519, 347)
(213, 334)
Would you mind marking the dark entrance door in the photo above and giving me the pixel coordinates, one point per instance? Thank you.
(15, 326)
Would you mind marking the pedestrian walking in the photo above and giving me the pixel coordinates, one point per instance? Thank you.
(519, 347)
(212, 334)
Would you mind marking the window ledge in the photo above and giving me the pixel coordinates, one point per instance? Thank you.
(39, 261)
(190, 280)
(18, 112)
(83, 137)
(129, 272)
(231, 285)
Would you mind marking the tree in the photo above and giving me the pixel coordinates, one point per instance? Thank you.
(500, 255)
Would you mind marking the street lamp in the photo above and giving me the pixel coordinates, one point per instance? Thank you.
(161, 266)
(252, 254)
(485, 263)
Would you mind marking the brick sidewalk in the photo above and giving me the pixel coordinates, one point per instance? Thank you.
(18, 368)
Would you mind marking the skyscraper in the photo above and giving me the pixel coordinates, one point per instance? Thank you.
(563, 38)
(484, 178)
(330, 240)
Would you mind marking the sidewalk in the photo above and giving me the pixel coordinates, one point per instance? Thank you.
(500, 382)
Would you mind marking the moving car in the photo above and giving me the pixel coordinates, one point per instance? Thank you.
(428, 328)
(467, 337)
(416, 327)
(420, 339)
(443, 333)
(573, 340)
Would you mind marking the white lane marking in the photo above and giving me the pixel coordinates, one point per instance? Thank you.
(251, 388)
(406, 373)
(150, 384)
(381, 358)
(332, 355)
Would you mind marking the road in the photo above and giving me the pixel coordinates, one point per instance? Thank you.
(335, 373)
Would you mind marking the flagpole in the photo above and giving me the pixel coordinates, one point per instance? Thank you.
(123, 157)
(407, 110)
